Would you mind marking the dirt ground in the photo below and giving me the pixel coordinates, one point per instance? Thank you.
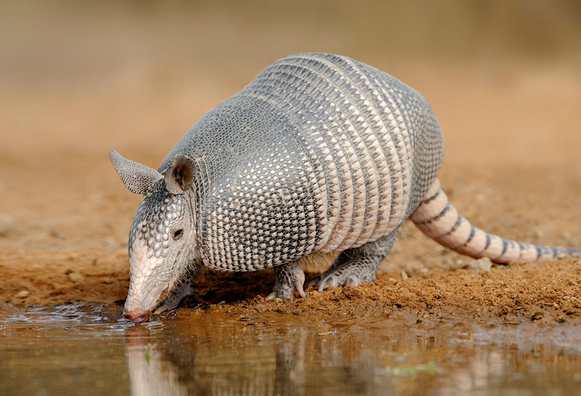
(512, 167)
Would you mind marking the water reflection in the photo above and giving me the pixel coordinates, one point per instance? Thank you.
(250, 359)
(150, 374)
(219, 356)
(90, 349)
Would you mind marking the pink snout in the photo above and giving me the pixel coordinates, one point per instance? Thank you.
(136, 316)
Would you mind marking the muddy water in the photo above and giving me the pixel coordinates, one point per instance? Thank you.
(86, 349)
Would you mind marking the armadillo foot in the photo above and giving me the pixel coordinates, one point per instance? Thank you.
(289, 277)
(174, 297)
(353, 274)
(172, 301)
(355, 266)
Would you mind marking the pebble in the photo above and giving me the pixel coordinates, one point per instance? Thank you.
(23, 294)
(483, 264)
(75, 277)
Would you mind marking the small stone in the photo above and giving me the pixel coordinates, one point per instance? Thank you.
(538, 233)
(537, 316)
(6, 231)
(75, 277)
(23, 294)
(483, 264)
(404, 275)
(55, 234)
(568, 306)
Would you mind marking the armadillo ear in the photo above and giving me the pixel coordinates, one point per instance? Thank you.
(137, 177)
(180, 174)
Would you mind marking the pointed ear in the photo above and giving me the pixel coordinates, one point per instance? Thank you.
(137, 177)
(180, 174)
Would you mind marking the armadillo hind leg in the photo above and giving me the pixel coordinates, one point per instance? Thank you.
(288, 277)
(439, 220)
(175, 296)
(355, 266)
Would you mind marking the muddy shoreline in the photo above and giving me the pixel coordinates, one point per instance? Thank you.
(542, 293)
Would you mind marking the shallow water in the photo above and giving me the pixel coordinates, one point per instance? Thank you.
(88, 349)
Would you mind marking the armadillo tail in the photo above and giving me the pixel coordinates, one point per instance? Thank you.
(439, 220)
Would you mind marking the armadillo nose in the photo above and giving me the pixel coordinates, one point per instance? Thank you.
(138, 317)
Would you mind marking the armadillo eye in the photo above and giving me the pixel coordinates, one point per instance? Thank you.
(178, 234)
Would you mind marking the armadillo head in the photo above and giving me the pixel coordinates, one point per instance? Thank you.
(162, 240)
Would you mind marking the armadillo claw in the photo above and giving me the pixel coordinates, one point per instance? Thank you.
(298, 287)
(271, 296)
(352, 281)
(340, 278)
(289, 277)
(329, 281)
(300, 290)
(164, 308)
(173, 299)
(332, 280)
(315, 281)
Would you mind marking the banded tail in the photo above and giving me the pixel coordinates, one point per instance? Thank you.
(439, 220)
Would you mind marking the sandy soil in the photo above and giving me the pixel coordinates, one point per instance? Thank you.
(512, 168)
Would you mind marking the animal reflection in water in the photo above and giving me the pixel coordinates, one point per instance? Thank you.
(178, 364)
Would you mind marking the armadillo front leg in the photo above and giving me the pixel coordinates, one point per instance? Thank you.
(184, 288)
(288, 277)
(355, 266)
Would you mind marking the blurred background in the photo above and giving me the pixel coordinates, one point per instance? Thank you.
(504, 78)
(136, 74)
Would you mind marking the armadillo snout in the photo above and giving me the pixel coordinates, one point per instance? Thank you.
(136, 316)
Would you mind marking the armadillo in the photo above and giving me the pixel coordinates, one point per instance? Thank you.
(319, 153)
